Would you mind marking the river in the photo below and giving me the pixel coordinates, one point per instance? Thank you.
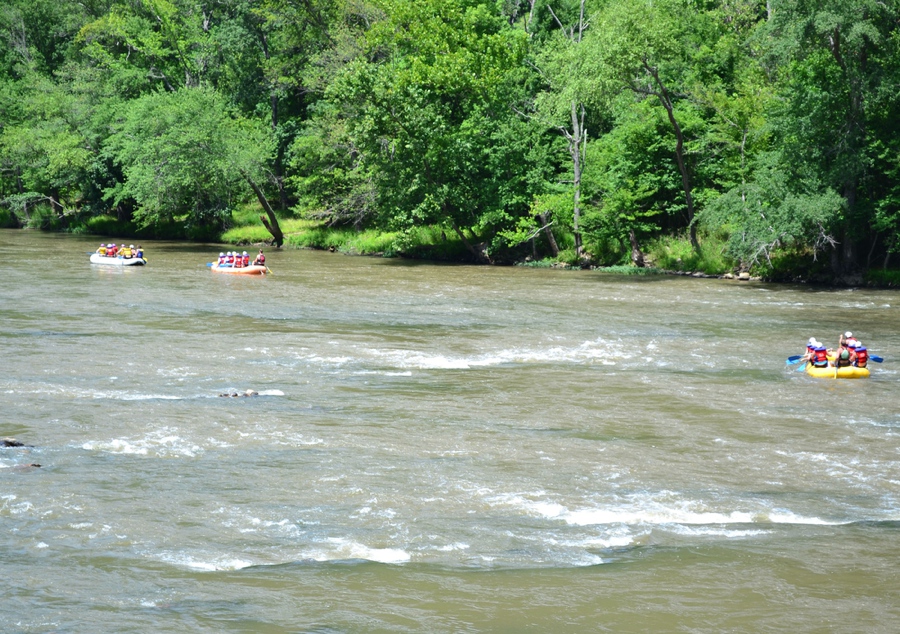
(436, 448)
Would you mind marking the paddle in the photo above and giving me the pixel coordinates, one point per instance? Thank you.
(801, 368)
(794, 359)
(876, 358)
(209, 264)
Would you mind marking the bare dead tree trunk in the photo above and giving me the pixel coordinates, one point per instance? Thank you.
(577, 137)
(576, 148)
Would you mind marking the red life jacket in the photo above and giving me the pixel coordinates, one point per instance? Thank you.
(229, 260)
(246, 260)
(261, 258)
(821, 358)
(862, 357)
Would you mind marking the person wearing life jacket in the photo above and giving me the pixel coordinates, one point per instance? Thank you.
(810, 352)
(245, 259)
(111, 250)
(126, 252)
(847, 337)
(862, 355)
(238, 260)
(229, 259)
(221, 261)
(102, 249)
(139, 252)
(820, 358)
(843, 358)
(260, 259)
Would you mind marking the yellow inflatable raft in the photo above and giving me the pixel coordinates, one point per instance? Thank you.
(847, 372)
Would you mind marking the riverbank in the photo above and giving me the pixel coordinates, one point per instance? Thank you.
(663, 255)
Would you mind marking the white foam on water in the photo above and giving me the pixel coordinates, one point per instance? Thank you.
(96, 394)
(711, 531)
(587, 517)
(662, 509)
(454, 547)
(175, 372)
(534, 507)
(160, 443)
(599, 351)
(787, 517)
(342, 549)
(211, 564)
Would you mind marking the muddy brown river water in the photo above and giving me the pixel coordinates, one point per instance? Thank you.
(436, 448)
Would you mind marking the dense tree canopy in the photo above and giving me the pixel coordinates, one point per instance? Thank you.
(579, 129)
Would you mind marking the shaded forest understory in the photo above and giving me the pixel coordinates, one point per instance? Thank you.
(712, 136)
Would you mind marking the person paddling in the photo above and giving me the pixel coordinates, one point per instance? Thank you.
(260, 259)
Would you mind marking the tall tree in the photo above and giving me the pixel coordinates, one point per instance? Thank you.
(563, 102)
(837, 71)
(422, 108)
(642, 45)
(184, 159)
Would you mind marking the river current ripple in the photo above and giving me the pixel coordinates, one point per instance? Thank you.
(435, 448)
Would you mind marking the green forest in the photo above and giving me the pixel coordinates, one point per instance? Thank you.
(704, 135)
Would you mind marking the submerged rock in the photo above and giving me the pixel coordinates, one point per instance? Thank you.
(246, 393)
(12, 442)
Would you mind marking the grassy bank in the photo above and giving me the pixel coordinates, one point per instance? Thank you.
(663, 254)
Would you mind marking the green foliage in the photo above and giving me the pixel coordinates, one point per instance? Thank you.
(630, 270)
(675, 253)
(183, 155)
(458, 129)
(767, 213)
(879, 277)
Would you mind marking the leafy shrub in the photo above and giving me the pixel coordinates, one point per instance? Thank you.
(677, 254)
(880, 277)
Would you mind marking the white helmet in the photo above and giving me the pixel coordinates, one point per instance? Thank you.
(812, 341)
(848, 334)
(221, 254)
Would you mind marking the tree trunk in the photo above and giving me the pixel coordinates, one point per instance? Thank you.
(554, 248)
(479, 254)
(663, 96)
(270, 221)
(637, 256)
(575, 147)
